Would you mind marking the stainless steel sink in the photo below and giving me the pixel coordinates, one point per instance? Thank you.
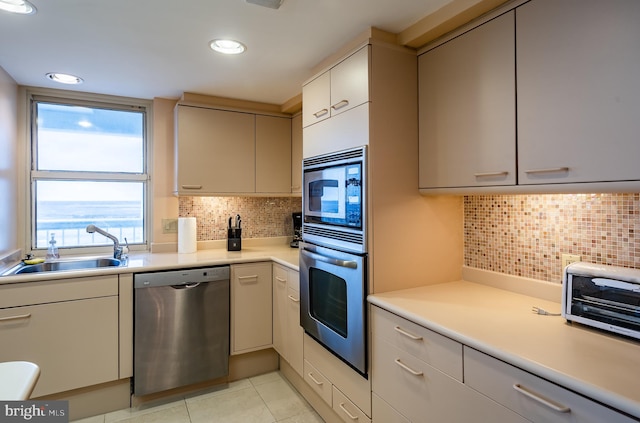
(61, 265)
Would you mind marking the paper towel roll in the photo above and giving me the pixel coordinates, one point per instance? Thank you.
(187, 235)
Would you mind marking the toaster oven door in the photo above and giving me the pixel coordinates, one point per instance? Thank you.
(606, 303)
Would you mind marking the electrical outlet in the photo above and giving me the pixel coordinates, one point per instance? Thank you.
(169, 226)
(567, 259)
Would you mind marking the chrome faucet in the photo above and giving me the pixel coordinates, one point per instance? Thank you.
(117, 248)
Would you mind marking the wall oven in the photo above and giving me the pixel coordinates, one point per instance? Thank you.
(334, 199)
(333, 254)
(333, 291)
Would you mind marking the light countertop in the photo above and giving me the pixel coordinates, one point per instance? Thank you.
(500, 323)
(149, 262)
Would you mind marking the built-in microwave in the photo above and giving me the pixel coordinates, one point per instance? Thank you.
(334, 187)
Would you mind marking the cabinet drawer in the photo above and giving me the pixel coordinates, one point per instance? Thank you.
(434, 349)
(318, 382)
(346, 409)
(425, 394)
(532, 397)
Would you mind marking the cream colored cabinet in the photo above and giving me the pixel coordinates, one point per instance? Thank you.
(578, 92)
(296, 154)
(273, 154)
(215, 151)
(467, 110)
(344, 390)
(68, 327)
(341, 88)
(287, 332)
(251, 307)
(230, 152)
(418, 374)
(530, 396)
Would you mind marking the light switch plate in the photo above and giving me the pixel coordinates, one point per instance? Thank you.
(567, 259)
(169, 226)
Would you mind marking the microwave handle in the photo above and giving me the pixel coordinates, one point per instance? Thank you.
(612, 283)
(336, 262)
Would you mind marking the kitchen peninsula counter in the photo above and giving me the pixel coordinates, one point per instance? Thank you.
(500, 323)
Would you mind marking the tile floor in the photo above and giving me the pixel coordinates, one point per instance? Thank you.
(262, 399)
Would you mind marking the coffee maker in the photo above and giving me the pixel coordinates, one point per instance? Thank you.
(297, 229)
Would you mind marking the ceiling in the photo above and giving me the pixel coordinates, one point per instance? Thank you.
(159, 48)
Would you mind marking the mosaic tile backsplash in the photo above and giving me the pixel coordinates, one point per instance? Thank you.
(262, 217)
(525, 235)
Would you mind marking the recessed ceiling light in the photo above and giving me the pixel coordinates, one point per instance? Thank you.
(22, 7)
(227, 46)
(64, 78)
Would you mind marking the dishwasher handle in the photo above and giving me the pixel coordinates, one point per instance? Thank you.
(186, 285)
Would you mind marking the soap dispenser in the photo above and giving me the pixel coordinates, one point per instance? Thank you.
(52, 252)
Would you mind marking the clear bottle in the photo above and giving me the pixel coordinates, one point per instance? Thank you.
(52, 251)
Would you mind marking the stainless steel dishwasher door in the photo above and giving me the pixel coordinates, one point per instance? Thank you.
(181, 328)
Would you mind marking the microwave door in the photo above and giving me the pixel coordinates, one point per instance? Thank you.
(323, 196)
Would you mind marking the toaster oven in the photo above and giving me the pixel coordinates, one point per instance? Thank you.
(605, 297)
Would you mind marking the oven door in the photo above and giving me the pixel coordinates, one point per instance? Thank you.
(333, 289)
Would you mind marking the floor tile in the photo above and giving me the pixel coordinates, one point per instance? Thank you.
(156, 409)
(307, 417)
(175, 414)
(94, 419)
(282, 400)
(241, 406)
(265, 378)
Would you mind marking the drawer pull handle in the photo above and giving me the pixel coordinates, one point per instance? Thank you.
(407, 334)
(18, 317)
(548, 170)
(340, 104)
(317, 382)
(294, 299)
(489, 174)
(351, 416)
(542, 400)
(407, 368)
(280, 279)
(321, 113)
(191, 186)
(248, 279)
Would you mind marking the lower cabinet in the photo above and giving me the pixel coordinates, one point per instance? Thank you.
(344, 390)
(251, 307)
(530, 396)
(287, 332)
(420, 388)
(68, 327)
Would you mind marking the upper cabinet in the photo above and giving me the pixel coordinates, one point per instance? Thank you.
(296, 154)
(467, 109)
(578, 91)
(571, 124)
(222, 152)
(343, 87)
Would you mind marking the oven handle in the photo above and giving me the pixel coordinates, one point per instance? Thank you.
(336, 262)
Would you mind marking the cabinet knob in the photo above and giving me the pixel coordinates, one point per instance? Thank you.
(321, 113)
(547, 170)
(490, 174)
(191, 186)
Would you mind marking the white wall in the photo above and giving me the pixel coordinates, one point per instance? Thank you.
(8, 164)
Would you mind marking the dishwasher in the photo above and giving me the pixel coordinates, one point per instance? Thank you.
(181, 328)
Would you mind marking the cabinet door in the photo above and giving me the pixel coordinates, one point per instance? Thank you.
(75, 343)
(530, 396)
(350, 82)
(295, 333)
(296, 154)
(316, 99)
(251, 307)
(578, 91)
(215, 151)
(273, 154)
(280, 305)
(467, 109)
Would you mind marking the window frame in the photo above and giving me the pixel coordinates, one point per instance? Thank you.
(32, 175)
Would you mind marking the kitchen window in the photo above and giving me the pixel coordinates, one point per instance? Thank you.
(88, 165)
